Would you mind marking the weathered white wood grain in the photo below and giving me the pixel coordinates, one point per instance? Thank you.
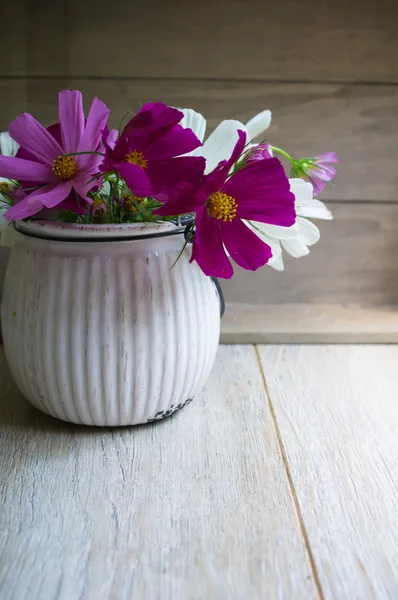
(337, 411)
(194, 507)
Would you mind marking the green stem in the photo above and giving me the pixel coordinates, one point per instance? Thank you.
(104, 175)
(283, 153)
(180, 254)
(78, 153)
(128, 113)
(9, 200)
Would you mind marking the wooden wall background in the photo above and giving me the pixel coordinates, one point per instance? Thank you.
(327, 70)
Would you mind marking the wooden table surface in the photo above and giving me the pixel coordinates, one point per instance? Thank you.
(278, 482)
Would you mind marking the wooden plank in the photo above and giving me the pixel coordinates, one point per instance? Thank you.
(359, 122)
(337, 413)
(51, 22)
(195, 507)
(13, 100)
(13, 37)
(308, 324)
(354, 263)
(244, 39)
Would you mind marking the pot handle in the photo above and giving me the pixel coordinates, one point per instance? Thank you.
(220, 294)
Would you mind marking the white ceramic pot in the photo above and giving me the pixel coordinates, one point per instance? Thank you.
(8, 236)
(4, 252)
(98, 329)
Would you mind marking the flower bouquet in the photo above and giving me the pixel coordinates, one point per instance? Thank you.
(111, 312)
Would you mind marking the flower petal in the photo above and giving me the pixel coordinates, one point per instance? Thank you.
(174, 142)
(295, 247)
(89, 163)
(136, 179)
(318, 184)
(323, 172)
(277, 232)
(244, 246)
(51, 195)
(23, 153)
(166, 174)
(28, 207)
(259, 152)
(111, 138)
(208, 249)
(221, 143)
(71, 118)
(81, 185)
(92, 134)
(178, 201)
(307, 231)
(162, 115)
(327, 157)
(152, 121)
(74, 204)
(302, 190)
(48, 195)
(258, 124)
(55, 131)
(195, 121)
(314, 209)
(34, 138)
(262, 192)
(276, 261)
(8, 146)
(306, 205)
(25, 170)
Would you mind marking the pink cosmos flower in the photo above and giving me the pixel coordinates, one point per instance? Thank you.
(148, 154)
(258, 192)
(42, 159)
(259, 152)
(316, 170)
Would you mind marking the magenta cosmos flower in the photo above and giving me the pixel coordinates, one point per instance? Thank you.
(148, 153)
(41, 161)
(316, 170)
(258, 192)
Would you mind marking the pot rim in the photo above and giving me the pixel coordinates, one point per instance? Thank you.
(90, 232)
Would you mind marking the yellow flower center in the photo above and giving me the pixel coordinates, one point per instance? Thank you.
(221, 206)
(97, 204)
(4, 186)
(129, 205)
(65, 167)
(136, 158)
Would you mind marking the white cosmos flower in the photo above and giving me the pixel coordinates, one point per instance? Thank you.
(8, 147)
(295, 240)
(222, 140)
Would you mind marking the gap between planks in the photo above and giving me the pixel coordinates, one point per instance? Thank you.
(303, 530)
(186, 79)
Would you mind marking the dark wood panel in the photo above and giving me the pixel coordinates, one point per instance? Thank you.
(13, 37)
(289, 39)
(359, 122)
(13, 100)
(244, 39)
(355, 262)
